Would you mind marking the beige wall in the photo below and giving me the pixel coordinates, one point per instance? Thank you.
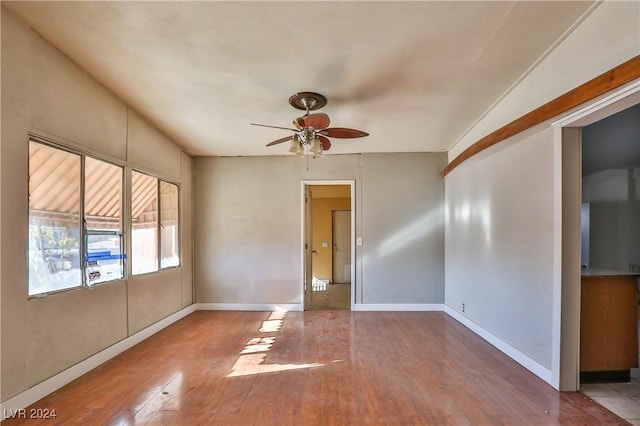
(322, 231)
(44, 93)
(248, 214)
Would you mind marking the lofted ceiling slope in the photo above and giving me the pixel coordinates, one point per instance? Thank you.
(415, 75)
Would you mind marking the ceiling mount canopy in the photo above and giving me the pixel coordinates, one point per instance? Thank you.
(307, 101)
(312, 131)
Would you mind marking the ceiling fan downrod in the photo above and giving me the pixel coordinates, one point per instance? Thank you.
(308, 103)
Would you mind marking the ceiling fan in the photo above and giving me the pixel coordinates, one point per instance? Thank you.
(312, 131)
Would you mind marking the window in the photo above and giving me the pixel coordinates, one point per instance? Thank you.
(75, 237)
(54, 219)
(144, 223)
(154, 237)
(103, 222)
(168, 225)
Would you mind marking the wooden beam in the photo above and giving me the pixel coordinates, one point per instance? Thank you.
(603, 83)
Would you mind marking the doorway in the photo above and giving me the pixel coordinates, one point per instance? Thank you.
(579, 181)
(328, 245)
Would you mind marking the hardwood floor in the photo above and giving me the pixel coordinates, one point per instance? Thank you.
(316, 368)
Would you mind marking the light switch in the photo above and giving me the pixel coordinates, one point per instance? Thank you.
(325, 244)
(359, 241)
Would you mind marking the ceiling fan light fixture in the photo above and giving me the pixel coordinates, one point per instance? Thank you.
(296, 147)
(315, 147)
(311, 131)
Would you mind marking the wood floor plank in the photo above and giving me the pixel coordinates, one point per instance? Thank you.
(315, 368)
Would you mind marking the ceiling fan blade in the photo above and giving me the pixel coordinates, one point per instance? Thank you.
(317, 121)
(274, 127)
(277, 141)
(326, 143)
(299, 123)
(342, 132)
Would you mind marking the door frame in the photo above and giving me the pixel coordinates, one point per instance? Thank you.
(567, 244)
(352, 185)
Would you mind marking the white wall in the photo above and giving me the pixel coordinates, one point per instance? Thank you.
(248, 216)
(503, 209)
(44, 93)
(499, 244)
(611, 237)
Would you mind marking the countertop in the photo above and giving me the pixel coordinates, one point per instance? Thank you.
(588, 272)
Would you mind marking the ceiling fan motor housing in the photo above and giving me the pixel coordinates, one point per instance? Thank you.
(307, 134)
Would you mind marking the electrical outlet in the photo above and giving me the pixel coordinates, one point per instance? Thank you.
(463, 306)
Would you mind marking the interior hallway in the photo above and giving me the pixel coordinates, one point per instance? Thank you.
(329, 367)
(329, 297)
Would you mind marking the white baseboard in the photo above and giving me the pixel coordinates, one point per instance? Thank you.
(39, 391)
(249, 306)
(399, 307)
(530, 364)
(298, 307)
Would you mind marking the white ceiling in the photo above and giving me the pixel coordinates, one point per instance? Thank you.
(415, 75)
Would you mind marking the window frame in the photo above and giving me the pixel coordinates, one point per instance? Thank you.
(159, 267)
(82, 240)
(131, 221)
(87, 231)
(160, 226)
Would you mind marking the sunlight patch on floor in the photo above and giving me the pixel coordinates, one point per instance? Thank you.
(252, 357)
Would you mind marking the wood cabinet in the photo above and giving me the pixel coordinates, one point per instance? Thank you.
(608, 323)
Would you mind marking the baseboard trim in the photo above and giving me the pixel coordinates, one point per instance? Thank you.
(249, 306)
(42, 389)
(409, 307)
(399, 307)
(530, 364)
